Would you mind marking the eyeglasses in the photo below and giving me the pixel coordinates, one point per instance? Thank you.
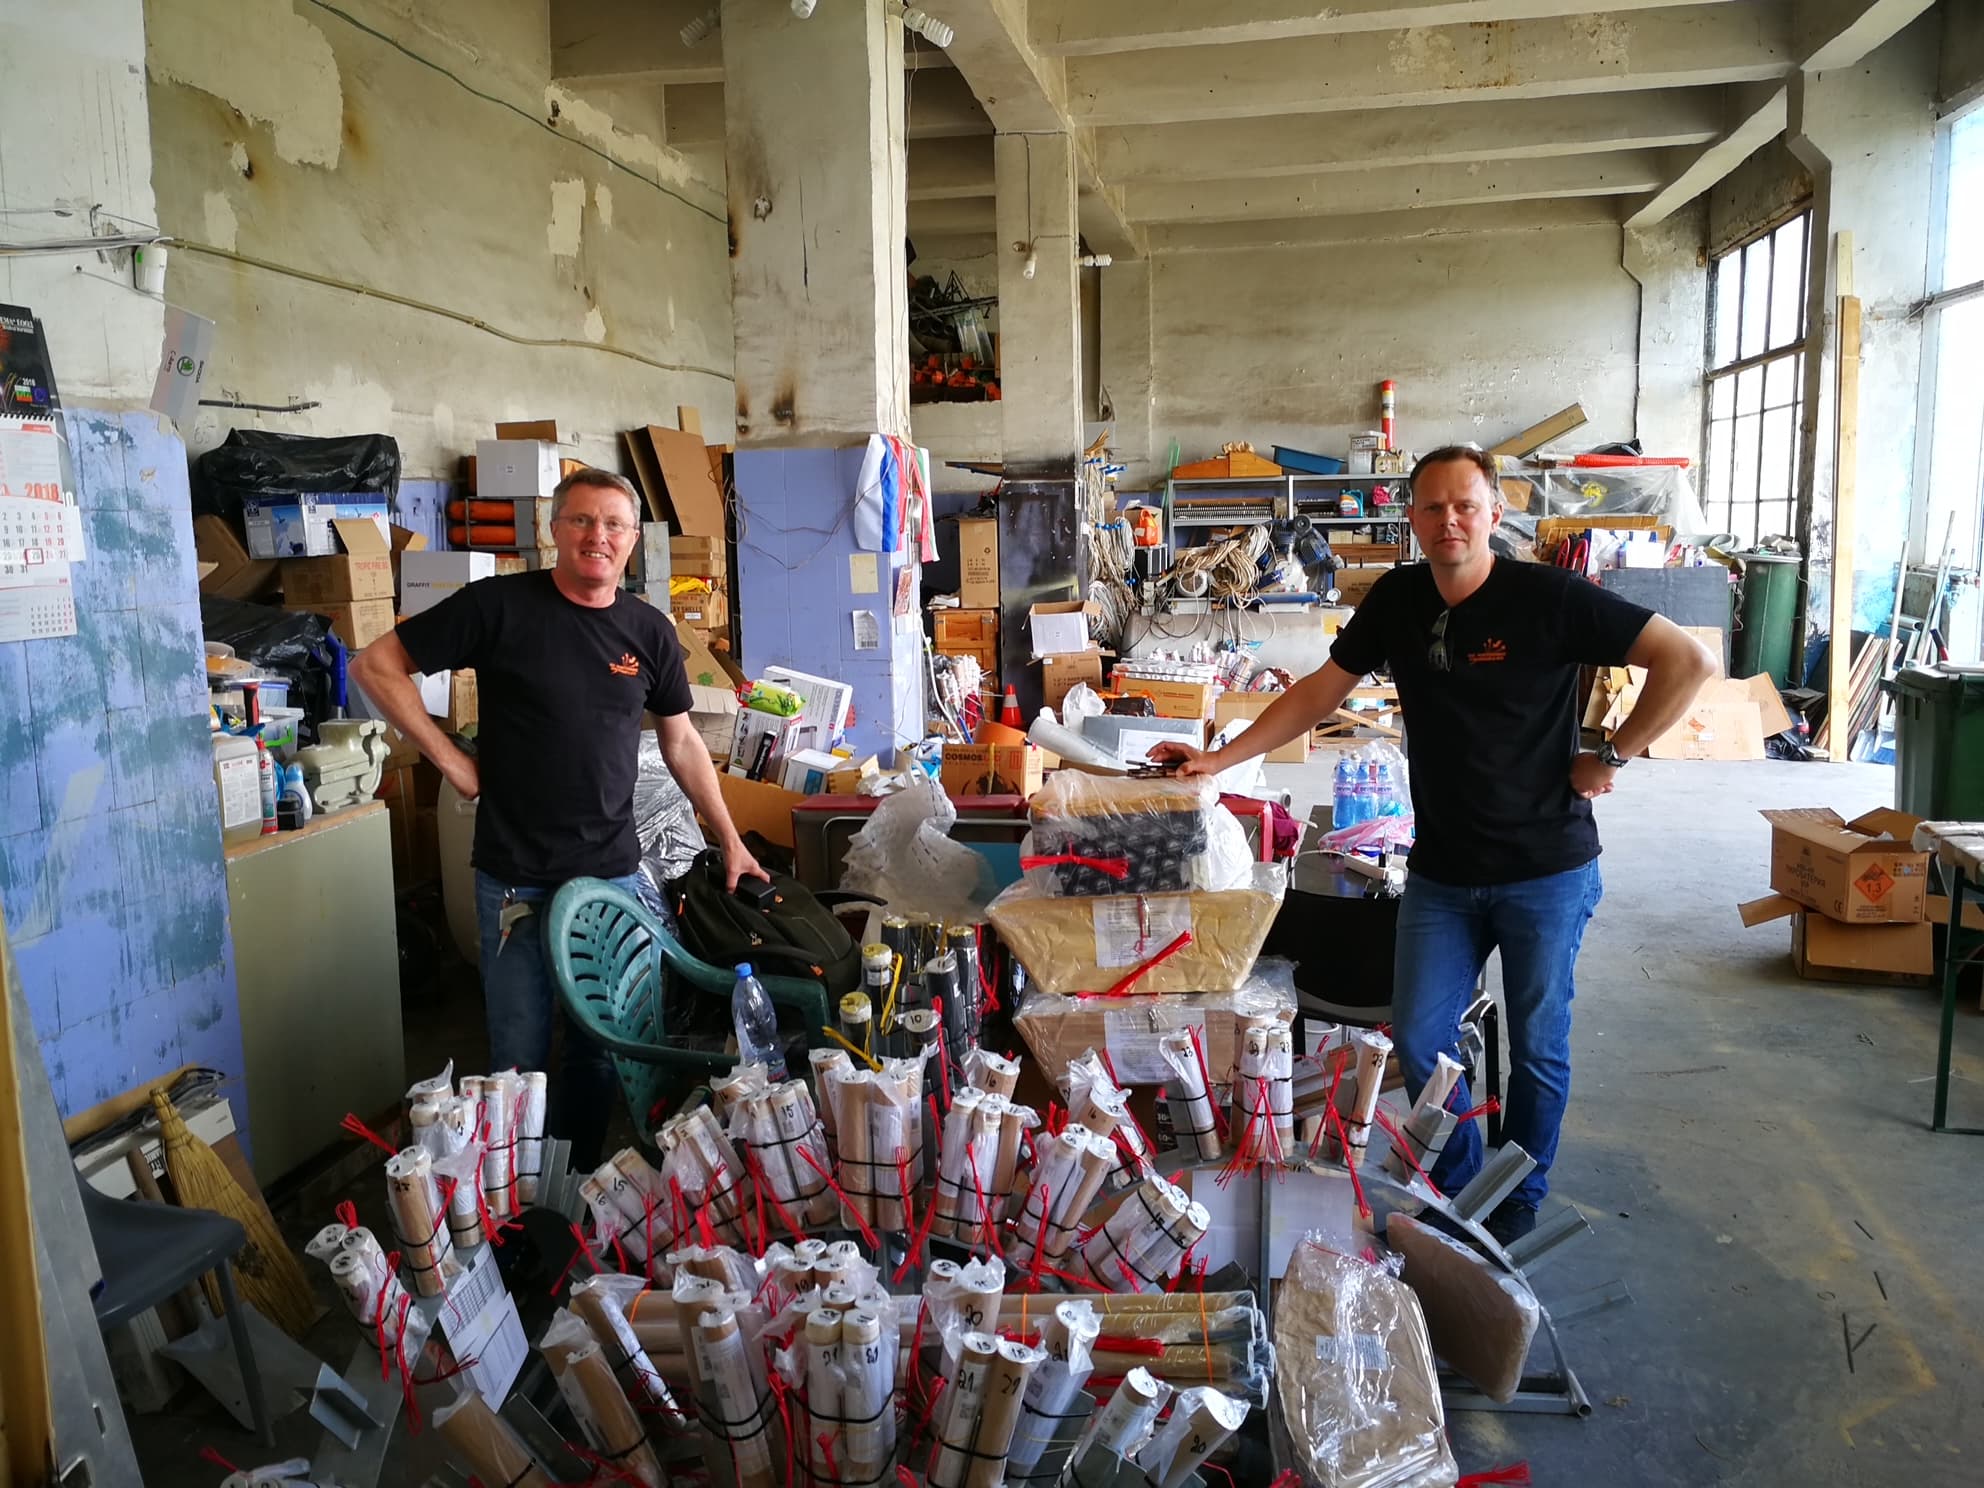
(1436, 653)
(611, 526)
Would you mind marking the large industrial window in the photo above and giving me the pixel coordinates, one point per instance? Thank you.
(1948, 520)
(1756, 378)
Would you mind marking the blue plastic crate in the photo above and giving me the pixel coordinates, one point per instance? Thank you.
(1308, 464)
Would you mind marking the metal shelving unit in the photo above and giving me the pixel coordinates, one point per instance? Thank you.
(1272, 498)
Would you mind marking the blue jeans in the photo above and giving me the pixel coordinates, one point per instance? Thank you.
(1444, 936)
(520, 1002)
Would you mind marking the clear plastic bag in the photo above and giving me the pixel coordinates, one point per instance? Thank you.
(663, 817)
(905, 856)
(1357, 1396)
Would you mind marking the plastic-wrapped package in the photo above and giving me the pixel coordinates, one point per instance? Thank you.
(1094, 834)
(663, 817)
(1059, 1029)
(1094, 944)
(1356, 1382)
(1480, 1319)
(259, 462)
(905, 856)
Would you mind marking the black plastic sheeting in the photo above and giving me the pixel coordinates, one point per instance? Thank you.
(282, 643)
(255, 462)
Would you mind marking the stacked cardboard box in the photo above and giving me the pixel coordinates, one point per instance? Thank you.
(352, 588)
(973, 633)
(1856, 893)
(1059, 634)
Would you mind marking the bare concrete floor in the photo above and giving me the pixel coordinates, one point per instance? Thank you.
(1752, 1152)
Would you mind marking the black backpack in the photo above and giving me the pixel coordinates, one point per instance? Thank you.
(784, 932)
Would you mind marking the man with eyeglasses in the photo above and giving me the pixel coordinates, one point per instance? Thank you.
(1485, 653)
(566, 664)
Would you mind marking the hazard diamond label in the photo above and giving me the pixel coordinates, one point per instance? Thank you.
(1875, 883)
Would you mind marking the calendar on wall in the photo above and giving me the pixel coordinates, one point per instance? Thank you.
(34, 612)
(41, 529)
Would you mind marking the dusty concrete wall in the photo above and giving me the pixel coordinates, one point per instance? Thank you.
(74, 137)
(1486, 333)
(1670, 261)
(1960, 75)
(417, 151)
(1761, 192)
(959, 431)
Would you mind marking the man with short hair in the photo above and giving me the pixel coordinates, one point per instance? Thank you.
(1485, 653)
(566, 662)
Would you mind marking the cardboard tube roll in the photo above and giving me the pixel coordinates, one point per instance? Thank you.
(1125, 1418)
(823, 1392)
(1005, 1388)
(1198, 1426)
(485, 1444)
(737, 1419)
(966, 1402)
(607, 1419)
(415, 1201)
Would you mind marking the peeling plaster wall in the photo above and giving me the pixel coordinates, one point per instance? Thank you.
(354, 151)
(74, 135)
(1769, 186)
(1486, 333)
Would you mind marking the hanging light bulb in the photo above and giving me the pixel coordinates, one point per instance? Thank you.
(932, 30)
(1032, 265)
(804, 8)
(702, 28)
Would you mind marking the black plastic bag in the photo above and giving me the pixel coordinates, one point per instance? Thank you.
(255, 462)
(283, 643)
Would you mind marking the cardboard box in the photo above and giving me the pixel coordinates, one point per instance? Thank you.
(1059, 674)
(978, 562)
(1174, 699)
(964, 632)
(697, 557)
(428, 578)
(235, 575)
(827, 702)
(1059, 1030)
(1712, 731)
(364, 570)
(1229, 706)
(1860, 872)
(1060, 628)
(357, 624)
(1824, 950)
(847, 777)
(747, 738)
(756, 806)
(993, 769)
(300, 526)
(464, 702)
(545, 431)
(506, 468)
(705, 609)
(808, 770)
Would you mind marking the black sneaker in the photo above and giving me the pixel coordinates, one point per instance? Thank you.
(1510, 1222)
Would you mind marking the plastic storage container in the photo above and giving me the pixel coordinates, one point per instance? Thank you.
(1762, 642)
(239, 786)
(1939, 745)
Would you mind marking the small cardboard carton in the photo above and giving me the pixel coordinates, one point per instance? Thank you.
(428, 578)
(1862, 872)
(364, 570)
(994, 769)
(757, 806)
(508, 468)
(235, 575)
(978, 563)
(1824, 950)
(357, 624)
(464, 702)
(1173, 699)
(1059, 674)
(808, 770)
(758, 742)
(1061, 627)
(826, 701)
(849, 773)
(965, 632)
(1250, 706)
(300, 526)
(696, 557)
(1059, 1030)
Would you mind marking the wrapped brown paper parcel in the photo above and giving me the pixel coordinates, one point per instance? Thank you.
(1360, 1398)
(1090, 944)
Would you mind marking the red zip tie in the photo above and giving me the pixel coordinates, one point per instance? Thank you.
(988, 993)
(357, 1128)
(1116, 868)
(904, 1192)
(585, 1250)
(606, 1465)
(1356, 1184)
(867, 1232)
(1122, 988)
(1516, 1472)
(347, 1213)
(1487, 1108)
(1404, 1148)
(1040, 1240)
(943, 1051)
(985, 1220)
(208, 1454)
(1289, 1479)
(765, 1191)
(779, 1390)
(918, 1240)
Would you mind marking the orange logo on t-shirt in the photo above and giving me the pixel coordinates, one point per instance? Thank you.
(1491, 650)
(626, 666)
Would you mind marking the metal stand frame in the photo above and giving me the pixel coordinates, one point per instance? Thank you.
(1959, 947)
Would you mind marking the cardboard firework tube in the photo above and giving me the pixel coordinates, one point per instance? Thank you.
(415, 1202)
(1128, 1232)
(1199, 1425)
(458, 1126)
(1372, 1050)
(1005, 1387)
(693, 1296)
(1013, 1120)
(1066, 1336)
(647, 1184)
(868, 1438)
(499, 1155)
(327, 1242)
(1422, 1137)
(609, 1223)
(888, 1136)
(630, 1363)
(905, 1077)
(856, 1144)
(1190, 1101)
(857, 1021)
(829, 1066)
(798, 1123)
(739, 1420)
(994, 1073)
(966, 1397)
(530, 1137)
(364, 1244)
(1125, 1418)
(1056, 1164)
(729, 1091)
(485, 1444)
(1095, 1161)
(823, 1392)
(953, 1177)
(605, 1416)
(1253, 1114)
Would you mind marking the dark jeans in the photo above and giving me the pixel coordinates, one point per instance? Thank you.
(520, 1002)
(1444, 936)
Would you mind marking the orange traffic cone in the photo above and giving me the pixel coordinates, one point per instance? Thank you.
(1009, 710)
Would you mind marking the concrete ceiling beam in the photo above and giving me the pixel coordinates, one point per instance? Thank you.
(1087, 28)
(1364, 139)
(1619, 173)
(640, 41)
(940, 106)
(1681, 46)
(1374, 227)
(951, 169)
(1833, 34)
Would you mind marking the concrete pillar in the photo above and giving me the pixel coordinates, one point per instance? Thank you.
(1867, 135)
(813, 142)
(1040, 373)
(1667, 261)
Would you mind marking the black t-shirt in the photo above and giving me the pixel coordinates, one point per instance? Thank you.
(1490, 740)
(561, 689)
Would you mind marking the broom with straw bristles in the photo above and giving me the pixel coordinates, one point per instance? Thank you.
(271, 1276)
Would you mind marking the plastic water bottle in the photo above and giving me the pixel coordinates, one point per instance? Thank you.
(756, 1022)
(1370, 794)
(1391, 802)
(1343, 804)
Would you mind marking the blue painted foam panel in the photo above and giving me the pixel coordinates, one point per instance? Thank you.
(110, 859)
(796, 599)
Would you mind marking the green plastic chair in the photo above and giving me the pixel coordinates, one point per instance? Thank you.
(614, 962)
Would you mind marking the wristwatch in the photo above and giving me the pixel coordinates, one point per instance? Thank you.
(1607, 755)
